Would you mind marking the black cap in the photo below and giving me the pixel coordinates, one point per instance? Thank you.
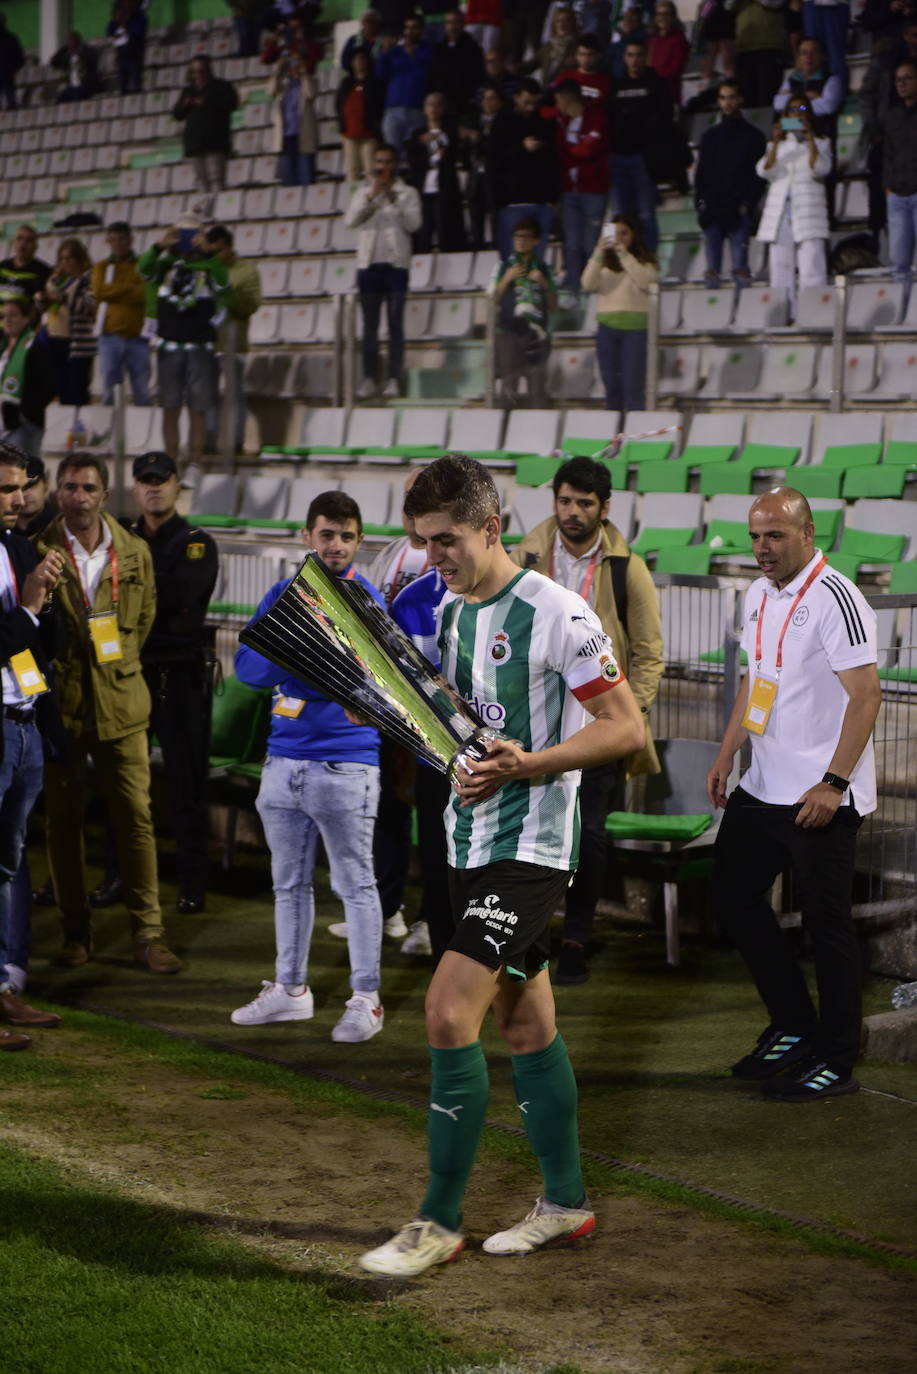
(154, 465)
(34, 469)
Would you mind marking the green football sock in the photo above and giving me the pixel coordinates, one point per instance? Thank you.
(546, 1093)
(458, 1102)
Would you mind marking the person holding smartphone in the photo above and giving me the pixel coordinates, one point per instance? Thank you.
(620, 271)
(794, 221)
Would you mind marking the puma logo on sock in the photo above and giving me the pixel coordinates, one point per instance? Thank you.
(446, 1111)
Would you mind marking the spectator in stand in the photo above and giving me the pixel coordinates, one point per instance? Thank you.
(457, 65)
(630, 28)
(38, 507)
(127, 29)
(727, 187)
(23, 274)
(27, 381)
(828, 21)
(594, 84)
(192, 287)
(292, 93)
(523, 169)
(526, 25)
(496, 73)
(900, 173)
(360, 102)
(582, 155)
(386, 211)
(667, 49)
(558, 53)
(432, 155)
(205, 108)
(120, 294)
(293, 38)
(367, 41)
(243, 300)
(823, 92)
(80, 64)
(523, 288)
(621, 271)
(794, 221)
(474, 132)
(886, 18)
(717, 39)
(641, 121)
(249, 17)
(484, 22)
(876, 96)
(404, 71)
(760, 49)
(105, 705)
(69, 321)
(12, 60)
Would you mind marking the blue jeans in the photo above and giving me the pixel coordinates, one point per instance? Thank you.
(398, 123)
(582, 213)
(902, 234)
(298, 801)
(117, 353)
(293, 167)
(377, 284)
(21, 771)
(622, 363)
(510, 216)
(829, 24)
(633, 191)
(714, 238)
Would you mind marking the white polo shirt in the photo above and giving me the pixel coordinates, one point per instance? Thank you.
(831, 629)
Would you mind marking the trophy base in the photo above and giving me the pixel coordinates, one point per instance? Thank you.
(474, 750)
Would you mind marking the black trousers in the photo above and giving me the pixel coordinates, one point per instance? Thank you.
(180, 720)
(392, 833)
(755, 843)
(598, 793)
(432, 790)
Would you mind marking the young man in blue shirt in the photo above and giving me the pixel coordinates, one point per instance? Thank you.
(320, 779)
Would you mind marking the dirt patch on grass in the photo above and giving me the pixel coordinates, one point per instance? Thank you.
(658, 1290)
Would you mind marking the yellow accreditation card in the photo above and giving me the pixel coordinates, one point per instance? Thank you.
(288, 706)
(760, 705)
(28, 674)
(105, 638)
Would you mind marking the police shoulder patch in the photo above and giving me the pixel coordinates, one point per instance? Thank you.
(195, 550)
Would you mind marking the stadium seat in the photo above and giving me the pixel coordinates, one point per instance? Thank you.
(585, 432)
(661, 476)
(667, 519)
(788, 371)
(377, 501)
(421, 273)
(717, 429)
(528, 506)
(423, 428)
(340, 276)
(478, 431)
(452, 271)
(315, 376)
(371, 426)
(296, 323)
(319, 199)
(705, 310)
(343, 240)
(679, 371)
(323, 429)
(855, 203)
(835, 430)
(303, 491)
(280, 237)
(417, 317)
(859, 374)
(325, 328)
(814, 309)
(876, 533)
(732, 372)
(670, 310)
(274, 278)
(452, 319)
(264, 323)
(897, 371)
(314, 235)
(571, 374)
(306, 276)
(264, 499)
(484, 264)
(884, 480)
(872, 304)
(216, 498)
(249, 240)
(532, 431)
(289, 202)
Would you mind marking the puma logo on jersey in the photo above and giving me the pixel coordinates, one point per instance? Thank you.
(523, 1107)
(490, 940)
(446, 1111)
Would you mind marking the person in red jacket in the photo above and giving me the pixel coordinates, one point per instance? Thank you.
(594, 83)
(667, 49)
(484, 22)
(582, 155)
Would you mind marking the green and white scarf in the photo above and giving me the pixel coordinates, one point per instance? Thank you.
(12, 367)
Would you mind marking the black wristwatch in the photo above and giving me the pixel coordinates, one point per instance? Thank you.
(833, 780)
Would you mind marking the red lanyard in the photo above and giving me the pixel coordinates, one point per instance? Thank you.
(590, 572)
(349, 573)
(397, 573)
(789, 615)
(113, 560)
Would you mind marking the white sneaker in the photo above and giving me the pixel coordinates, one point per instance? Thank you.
(417, 1246)
(338, 930)
(546, 1224)
(418, 941)
(366, 389)
(395, 927)
(391, 388)
(362, 1019)
(274, 1003)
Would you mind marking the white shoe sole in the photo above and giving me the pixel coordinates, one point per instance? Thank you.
(275, 1016)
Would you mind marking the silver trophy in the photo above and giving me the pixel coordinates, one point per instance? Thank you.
(329, 632)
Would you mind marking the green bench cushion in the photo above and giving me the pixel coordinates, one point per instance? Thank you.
(901, 451)
(700, 455)
(628, 825)
(768, 455)
(649, 540)
(851, 455)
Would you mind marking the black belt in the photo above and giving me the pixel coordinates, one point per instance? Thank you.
(22, 715)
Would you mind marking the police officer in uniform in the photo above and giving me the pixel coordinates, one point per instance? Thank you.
(177, 663)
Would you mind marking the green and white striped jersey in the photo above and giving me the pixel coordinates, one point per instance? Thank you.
(525, 660)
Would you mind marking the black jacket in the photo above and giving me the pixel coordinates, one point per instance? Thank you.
(899, 150)
(18, 631)
(725, 181)
(640, 111)
(207, 126)
(456, 71)
(519, 177)
(373, 101)
(39, 387)
(185, 567)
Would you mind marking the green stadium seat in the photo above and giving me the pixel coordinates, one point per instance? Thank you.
(652, 540)
(584, 448)
(701, 455)
(645, 451)
(904, 578)
(666, 476)
(768, 456)
(534, 471)
(728, 536)
(817, 480)
(851, 455)
(901, 452)
(826, 522)
(633, 825)
(694, 559)
(724, 479)
(882, 481)
(239, 723)
(865, 546)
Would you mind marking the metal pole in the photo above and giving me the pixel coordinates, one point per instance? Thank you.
(838, 341)
(350, 349)
(490, 350)
(652, 347)
(338, 348)
(118, 446)
(230, 400)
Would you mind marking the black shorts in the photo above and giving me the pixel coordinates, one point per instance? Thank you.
(502, 913)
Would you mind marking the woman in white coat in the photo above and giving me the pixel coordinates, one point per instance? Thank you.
(295, 133)
(795, 217)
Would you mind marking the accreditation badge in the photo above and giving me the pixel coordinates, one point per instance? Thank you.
(291, 707)
(760, 705)
(28, 674)
(106, 639)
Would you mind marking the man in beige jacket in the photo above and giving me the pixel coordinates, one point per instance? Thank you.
(580, 548)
